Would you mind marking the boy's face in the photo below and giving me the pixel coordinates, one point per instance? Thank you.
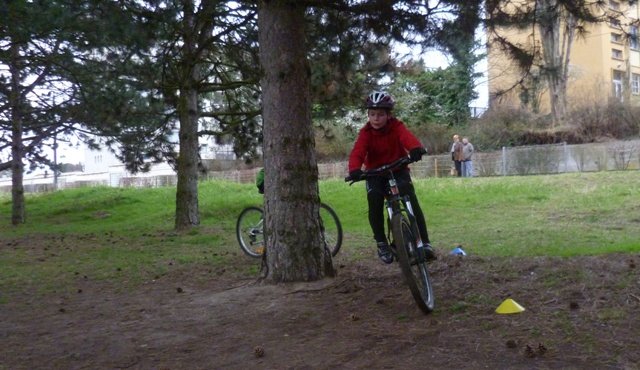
(378, 117)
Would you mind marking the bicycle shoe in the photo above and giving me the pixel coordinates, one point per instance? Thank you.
(384, 253)
(429, 253)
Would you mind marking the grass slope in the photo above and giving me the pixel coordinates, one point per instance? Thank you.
(127, 234)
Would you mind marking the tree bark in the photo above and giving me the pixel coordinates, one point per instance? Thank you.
(295, 247)
(17, 167)
(187, 212)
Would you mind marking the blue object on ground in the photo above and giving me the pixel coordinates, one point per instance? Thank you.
(458, 251)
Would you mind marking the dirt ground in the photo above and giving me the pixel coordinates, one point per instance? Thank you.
(581, 313)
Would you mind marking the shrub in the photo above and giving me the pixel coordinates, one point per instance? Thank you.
(435, 137)
(334, 139)
(598, 122)
(500, 127)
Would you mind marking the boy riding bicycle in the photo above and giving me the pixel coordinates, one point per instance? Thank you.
(382, 140)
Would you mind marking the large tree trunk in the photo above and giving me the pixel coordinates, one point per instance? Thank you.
(187, 213)
(295, 248)
(554, 52)
(17, 167)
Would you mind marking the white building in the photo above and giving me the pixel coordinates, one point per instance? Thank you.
(102, 167)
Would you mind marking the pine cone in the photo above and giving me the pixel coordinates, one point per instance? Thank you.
(574, 305)
(541, 349)
(528, 351)
(258, 351)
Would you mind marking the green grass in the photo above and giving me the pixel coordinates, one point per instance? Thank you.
(127, 234)
(560, 215)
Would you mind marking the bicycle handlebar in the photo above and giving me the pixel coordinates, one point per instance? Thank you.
(384, 168)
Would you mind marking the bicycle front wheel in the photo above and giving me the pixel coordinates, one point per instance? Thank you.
(332, 229)
(412, 263)
(249, 231)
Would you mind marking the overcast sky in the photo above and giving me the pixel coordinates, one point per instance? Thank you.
(433, 59)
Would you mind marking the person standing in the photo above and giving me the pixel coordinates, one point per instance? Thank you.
(467, 161)
(456, 154)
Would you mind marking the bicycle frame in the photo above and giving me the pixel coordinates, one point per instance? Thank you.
(394, 201)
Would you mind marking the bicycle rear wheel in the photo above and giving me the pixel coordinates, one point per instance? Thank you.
(332, 228)
(412, 263)
(249, 231)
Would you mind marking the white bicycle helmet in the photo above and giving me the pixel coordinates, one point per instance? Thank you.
(380, 100)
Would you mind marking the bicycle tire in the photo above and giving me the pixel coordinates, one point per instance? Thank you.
(332, 228)
(249, 231)
(413, 267)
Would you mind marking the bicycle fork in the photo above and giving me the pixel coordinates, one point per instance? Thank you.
(412, 219)
(391, 210)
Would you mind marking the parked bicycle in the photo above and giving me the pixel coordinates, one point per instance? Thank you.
(406, 244)
(250, 233)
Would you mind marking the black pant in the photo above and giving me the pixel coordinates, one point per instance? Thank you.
(458, 168)
(377, 188)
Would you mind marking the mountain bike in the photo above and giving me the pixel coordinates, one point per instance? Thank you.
(406, 244)
(250, 233)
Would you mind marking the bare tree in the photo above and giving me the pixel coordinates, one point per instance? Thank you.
(557, 39)
(548, 52)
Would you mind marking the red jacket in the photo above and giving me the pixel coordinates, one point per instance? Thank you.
(375, 148)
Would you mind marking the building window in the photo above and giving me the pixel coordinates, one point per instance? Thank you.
(635, 84)
(616, 53)
(633, 38)
(614, 22)
(617, 84)
(616, 37)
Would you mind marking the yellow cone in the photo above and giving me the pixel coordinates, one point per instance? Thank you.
(509, 306)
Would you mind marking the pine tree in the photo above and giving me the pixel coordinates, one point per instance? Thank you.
(37, 97)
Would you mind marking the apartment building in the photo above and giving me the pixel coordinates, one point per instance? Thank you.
(604, 64)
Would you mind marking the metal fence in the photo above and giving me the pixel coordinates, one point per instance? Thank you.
(510, 161)
(559, 158)
(541, 159)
